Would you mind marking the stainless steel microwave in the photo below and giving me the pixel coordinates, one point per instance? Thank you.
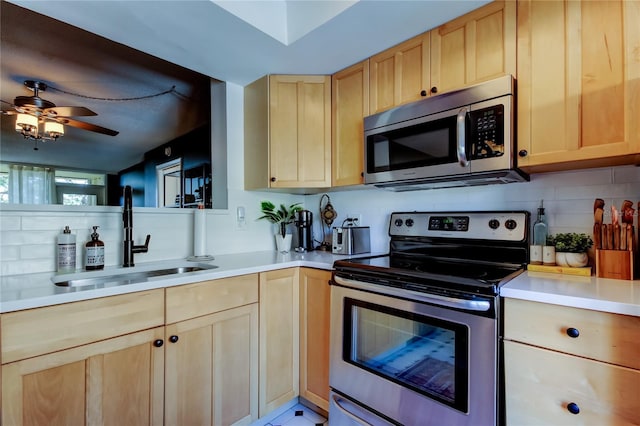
(460, 138)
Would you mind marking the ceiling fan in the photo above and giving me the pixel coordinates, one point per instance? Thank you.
(32, 110)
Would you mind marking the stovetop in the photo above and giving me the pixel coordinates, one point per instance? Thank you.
(439, 252)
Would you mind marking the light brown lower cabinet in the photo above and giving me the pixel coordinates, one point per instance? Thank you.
(211, 369)
(279, 338)
(112, 382)
(570, 366)
(315, 303)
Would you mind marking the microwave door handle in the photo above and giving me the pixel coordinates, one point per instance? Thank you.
(462, 137)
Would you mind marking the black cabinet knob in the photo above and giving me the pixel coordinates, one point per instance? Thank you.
(158, 343)
(273, 179)
(423, 93)
(523, 153)
(173, 339)
(434, 89)
(573, 332)
(573, 408)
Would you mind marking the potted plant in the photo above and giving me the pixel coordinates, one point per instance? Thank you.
(571, 248)
(282, 217)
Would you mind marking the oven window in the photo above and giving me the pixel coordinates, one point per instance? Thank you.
(425, 354)
(419, 145)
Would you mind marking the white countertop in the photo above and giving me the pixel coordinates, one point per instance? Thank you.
(28, 291)
(599, 294)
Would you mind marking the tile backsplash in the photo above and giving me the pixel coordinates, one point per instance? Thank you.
(28, 233)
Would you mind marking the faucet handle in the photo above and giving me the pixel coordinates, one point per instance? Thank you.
(144, 248)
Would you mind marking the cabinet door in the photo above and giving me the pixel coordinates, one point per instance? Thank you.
(541, 385)
(314, 336)
(300, 131)
(400, 74)
(112, 382)
(350, 104)
(279, 338)
(212, 369)
(474, 47)
(578, 83)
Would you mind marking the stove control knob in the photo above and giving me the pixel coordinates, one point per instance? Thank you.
(409, 222)
(511, 224)
(398, 222)
(494, 223)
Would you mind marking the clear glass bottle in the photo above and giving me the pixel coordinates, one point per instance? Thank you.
(540, 229)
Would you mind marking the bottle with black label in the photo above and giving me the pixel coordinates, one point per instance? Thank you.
(94, 252)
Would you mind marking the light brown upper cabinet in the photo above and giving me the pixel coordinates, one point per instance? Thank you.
(288, 122)
(474, 47)
(400, 74)
(349, 105)
(578, 84)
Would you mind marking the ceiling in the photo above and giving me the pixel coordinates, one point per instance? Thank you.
(234, 41)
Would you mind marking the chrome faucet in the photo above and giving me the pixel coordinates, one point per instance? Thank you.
(127, 218)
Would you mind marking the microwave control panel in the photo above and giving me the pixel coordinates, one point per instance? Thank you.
(487, 132)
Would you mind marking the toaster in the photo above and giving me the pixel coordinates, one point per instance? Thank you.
(351, 240)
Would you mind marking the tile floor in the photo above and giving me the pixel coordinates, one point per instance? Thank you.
(299, 415)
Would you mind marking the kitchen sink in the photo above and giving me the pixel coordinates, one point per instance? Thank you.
(123, 278)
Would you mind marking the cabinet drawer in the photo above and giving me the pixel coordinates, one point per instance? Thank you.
(603, 336)
(540, 385)
(39, 331)
(207, 297)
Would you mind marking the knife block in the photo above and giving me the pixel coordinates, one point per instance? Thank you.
(616, 264)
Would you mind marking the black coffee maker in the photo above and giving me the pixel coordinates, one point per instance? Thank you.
(303, 221)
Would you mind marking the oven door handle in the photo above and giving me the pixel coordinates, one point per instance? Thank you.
(436, 299)
(348, 413)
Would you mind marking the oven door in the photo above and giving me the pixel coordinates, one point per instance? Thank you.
(410, 361)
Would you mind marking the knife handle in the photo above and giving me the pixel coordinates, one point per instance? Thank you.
(615, 230)
(605, 237)
(623, 236)
(630, 237)
(597, 235)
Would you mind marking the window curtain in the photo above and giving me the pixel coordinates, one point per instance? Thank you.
(31, 185)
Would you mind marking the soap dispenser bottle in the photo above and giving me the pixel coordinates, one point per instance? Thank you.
(94, 252)
(66, 253)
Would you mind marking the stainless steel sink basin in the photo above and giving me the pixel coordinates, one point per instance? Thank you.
(122, 278)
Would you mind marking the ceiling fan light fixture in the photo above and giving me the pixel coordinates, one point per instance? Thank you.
(26, 123)
(53, 130)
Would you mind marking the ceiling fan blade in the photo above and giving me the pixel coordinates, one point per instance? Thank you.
(70, 111)
(10, 112)
(86, 126)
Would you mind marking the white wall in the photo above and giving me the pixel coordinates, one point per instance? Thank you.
(568, 200)
(27, 234)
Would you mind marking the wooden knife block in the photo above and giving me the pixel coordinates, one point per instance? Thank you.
(616, 264)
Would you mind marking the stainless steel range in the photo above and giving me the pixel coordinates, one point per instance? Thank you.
(415, 333)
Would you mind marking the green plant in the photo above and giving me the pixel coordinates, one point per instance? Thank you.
(570, 242)
(282, 216)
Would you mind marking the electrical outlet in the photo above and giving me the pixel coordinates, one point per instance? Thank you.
(354, 219)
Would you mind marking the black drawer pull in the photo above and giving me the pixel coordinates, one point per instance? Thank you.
(573, 408)
(158, 343)
(572, 332)
(173, 339)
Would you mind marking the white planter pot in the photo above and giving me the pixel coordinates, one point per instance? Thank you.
(283, 245)
(574, 260)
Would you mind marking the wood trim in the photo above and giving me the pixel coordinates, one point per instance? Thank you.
(49, 329)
